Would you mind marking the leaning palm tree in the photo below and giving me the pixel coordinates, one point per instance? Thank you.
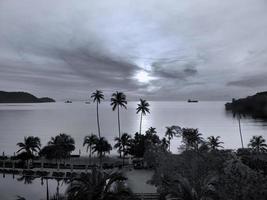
(97, 97)
(118, 100)
(143, 108)
(96, 185)
(90, 141)
(123, 144)
(258, 144)
(214, 142)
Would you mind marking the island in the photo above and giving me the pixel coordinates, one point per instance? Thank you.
(22, 97)
(255, 106)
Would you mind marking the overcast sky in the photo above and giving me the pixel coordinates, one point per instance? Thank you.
(155, 49)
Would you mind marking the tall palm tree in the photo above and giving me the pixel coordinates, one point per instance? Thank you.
(90, 141)
(101, 147)
(258, 143)
(123, 144)
(214, 142)
(97, 97)
(143, 108)
(238, 115)
(118, 100)
(96, 185)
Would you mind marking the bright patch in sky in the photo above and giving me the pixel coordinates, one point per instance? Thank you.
(143, 77)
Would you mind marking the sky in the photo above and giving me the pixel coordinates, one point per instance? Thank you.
(153, 49)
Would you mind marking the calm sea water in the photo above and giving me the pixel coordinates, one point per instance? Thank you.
(79, 119)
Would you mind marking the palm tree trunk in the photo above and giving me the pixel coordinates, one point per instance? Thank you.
(141, 122)
(240, 132)
(90, 155)
(100, 160)
(47, 190)
(119, 125)
(57, 189)
(97, 116)
(123, 156)
(169, 144)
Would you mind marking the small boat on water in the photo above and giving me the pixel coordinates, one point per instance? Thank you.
(192, 101)
(87, 102)
(68, 101)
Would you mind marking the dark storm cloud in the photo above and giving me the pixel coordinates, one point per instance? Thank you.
(254, 81)
(161, 49)
(173, 71)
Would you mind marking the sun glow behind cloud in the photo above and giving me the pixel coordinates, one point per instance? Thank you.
(143, 77)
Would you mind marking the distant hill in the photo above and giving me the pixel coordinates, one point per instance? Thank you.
(22, 97)
(255, 106)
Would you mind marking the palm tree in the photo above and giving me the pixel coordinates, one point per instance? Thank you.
(143, 108)
(180, 187)
(123, 144)
(59, 147)
(90, 141)
(118, 100)
(151, 138)
(257, 143)
(101, 147)
(30, 146)
(97, 96)
(214, 142)
(97, 185)
(165, 144)
(172, 131)
(239, 115)
(191, 138)
(169, 134)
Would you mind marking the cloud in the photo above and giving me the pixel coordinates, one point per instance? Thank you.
(188, 48)
(254, 81)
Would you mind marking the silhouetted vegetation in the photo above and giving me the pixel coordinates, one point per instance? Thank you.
(142, 107)
(118, 100)
(59, 147)
(28, 148)
(90, 141)
(202, 171)
(99, 185)
(255, 106)
(97, 97)
(22, 97)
